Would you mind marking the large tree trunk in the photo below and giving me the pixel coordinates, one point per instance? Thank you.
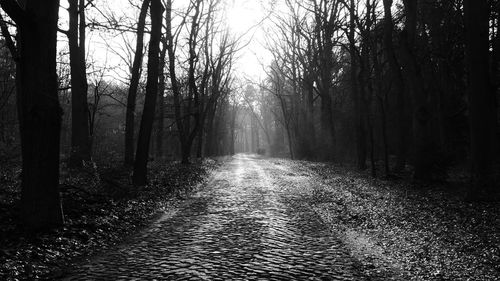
(423, 137)
(39, 111)
(326, 120)
(186, 151)
(482, 99)
(199, 143)
(139, 176)
(161, 105)
(209, 138)
(179, 119)
(357, 91)
(398, 85)
(80, 134)
(134, 85)
(308, 138)
(233, 129)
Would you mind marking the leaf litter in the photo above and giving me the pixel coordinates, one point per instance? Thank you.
(101, 208)
(401, 230)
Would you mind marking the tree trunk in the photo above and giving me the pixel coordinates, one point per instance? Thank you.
(398, 85)
(311, 131)
(161, 105)
(424, 146)
(80, 134)
(290, 142)
(186, 134)
(209, 138)
(233, 129)
(482, 100)
(139, 176)
(199, 143)
(383, 124)
(372, 151)
(210, 133)
(39, 111)
(134, 85)
(185, 152)
(381, 97)
(326, 120)
(357, 90)
(216, 133)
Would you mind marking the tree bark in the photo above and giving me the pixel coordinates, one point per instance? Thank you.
(356, 91)
(139, 177)
(39, 111)
(327, 125)
(423, 139)
(161, 105)
(308, 124)
(324, 19)
(482, 99)
(398, 85)
(209, 139)
(233, 128)
(134, 85)
(80, 133)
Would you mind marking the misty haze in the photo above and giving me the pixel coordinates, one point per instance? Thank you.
(249, 140)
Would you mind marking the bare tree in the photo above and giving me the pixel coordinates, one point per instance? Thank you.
(134, 84)
(482, 100)
(80, 133)
(398, 83)
(139, 176)
(203, 69)
(38, 109)
(161, 102)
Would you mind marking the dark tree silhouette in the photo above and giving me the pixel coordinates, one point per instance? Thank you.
(139, 176)
(398, 84)
(38, 109)
(482, 99)
(80, 133)
(422, 131)
(134, 85)
(161, 103)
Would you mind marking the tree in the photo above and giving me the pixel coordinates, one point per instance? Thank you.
(482, 99)
(38, 109)
(161, 103)
(182, 122)
(292, 79)
(8, 118)
(357, 88)
(139, 176)
(424, 145)
(80, 132)
(134, 84)
(191, 71)
(326, 14)
(398, 84)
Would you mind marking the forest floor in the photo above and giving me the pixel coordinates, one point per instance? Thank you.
(262, 217)
(101, 209)
(416, 231)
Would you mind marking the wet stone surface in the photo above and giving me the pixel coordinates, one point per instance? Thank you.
(251, 222)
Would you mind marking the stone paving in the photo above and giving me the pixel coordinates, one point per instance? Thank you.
(250, 222)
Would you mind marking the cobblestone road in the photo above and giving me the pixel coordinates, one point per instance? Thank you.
(251, 222)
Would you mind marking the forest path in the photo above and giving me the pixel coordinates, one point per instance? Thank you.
(252, 221)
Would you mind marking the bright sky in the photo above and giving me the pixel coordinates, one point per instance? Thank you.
(247, 18)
